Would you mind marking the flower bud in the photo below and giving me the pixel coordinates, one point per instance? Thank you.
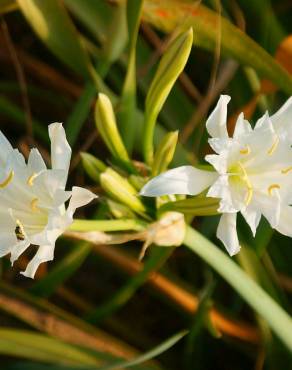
(164, 153)
(93, 166)
(170, 67)
(106, 124)
(121, 190)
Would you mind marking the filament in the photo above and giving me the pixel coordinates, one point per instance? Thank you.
(274, 146)
(7, 180)
(31, 178)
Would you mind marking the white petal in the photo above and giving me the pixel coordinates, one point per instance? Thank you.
(268, 205)
(80, 197)
(5, 149)
(216, 123)
(283, 117)
(180, 180)
(18, 249)
(226, 232)
(285, 221)
(35, 161)
(252, 216)
(221, 189)
(242, 126)
(218, 161)
(60, 149)
(220, 144)
(44, 253)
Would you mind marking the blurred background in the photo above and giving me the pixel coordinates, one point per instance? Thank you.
(55, 56)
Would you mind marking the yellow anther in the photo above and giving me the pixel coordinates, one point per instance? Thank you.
(245, 150)
(274, 146)
(33, 205)
(31, 178)
(286, 170)
(272, 187)
(7, 180)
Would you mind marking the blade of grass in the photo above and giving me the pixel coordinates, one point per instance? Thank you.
(51, 23)
(278, 320)
(26, 344)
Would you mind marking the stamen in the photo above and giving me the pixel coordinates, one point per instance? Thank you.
(286, 170)
(274, 146)
(273, 186)
(245, 178)
(245, 151)
(7, 180)
(248, 196)
(31, 178)
(20, 233)
(33, 205)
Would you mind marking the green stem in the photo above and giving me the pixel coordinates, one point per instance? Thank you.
(107, 225)
(250, 291)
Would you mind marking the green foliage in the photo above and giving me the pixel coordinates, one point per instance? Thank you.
(153, 79)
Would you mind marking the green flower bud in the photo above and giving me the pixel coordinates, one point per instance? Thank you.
(118, 188)
(119, 210)
(170, 67)
(137, 181)
(106, 124)
(93, 166)
(164, 153)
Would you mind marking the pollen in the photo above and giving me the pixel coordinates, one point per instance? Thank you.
(7, 180)
(286, 170)
(274, 146)
(20, 233)
(33, 205)
(272, 187)
(31, 178)
(245, 150)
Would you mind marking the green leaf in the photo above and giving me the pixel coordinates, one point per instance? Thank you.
(195, 206)
(278, 320)
(51, 23)
(167, 16)
(156, 351)
(26, 344)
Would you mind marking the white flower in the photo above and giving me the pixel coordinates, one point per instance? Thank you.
(253, 173)
(32, 198)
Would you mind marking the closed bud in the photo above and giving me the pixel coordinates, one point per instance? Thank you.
(119, 210)
(93, 166)
(106, 124)
(170, 67)
(119, 188)
(164, 153)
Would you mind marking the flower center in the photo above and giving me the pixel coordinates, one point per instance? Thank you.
(238, 175)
